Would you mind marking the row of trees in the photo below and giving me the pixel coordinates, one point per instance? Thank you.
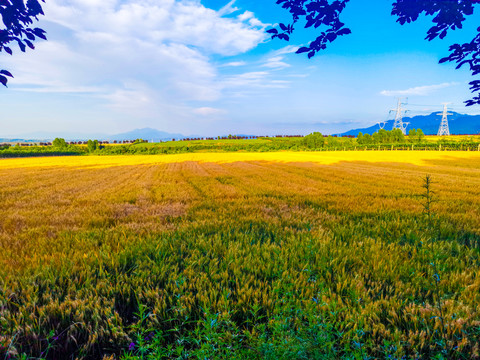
(316, 140)
(383, 139)
(394, 136)
(416, 135)
(92, 145)
(61, 144)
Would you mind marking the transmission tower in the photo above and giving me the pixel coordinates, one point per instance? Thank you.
(443, 129)
(398, 123)
(381, 124)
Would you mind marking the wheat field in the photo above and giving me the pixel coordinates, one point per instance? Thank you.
(244, 255)
(416, 157)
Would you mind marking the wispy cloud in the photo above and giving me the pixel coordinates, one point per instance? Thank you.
(228, 8)
(254, 80)
(276, 62)
(234, 64)
(208, 111)
(62, 89)
(249, 17)
(289, 49)
(300, 76)
(419, 90)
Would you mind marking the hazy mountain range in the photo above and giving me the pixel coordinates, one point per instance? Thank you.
(146, 134)
(459, 124)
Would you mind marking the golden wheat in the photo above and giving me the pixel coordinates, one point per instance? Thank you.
(84, 240)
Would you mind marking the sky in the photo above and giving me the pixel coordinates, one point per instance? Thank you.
(208, 68)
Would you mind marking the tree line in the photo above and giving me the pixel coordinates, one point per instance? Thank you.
(394, 136)
(381, 140)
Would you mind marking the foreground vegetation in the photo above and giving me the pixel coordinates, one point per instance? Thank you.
(102, 257)
(382, 140)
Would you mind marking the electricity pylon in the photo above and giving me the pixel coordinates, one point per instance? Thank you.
(443, 129)
(398, 123)
(381, 124)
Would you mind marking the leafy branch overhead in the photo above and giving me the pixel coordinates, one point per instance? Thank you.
(316, 13)
(447, 15)
(17, 18)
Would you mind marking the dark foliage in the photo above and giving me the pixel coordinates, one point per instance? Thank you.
(17, 17)
(448, 15)
(316, 13)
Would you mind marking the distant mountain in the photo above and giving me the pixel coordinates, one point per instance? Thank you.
(459, 124)
(145, 134)
(5, 140)
(45, 135)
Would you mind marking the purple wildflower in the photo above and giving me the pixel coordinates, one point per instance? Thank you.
(149, 337)
(131, 346)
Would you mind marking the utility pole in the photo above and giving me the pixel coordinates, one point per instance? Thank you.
(399, 124)
(443, 129)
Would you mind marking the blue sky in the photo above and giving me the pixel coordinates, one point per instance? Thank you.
(208, 68)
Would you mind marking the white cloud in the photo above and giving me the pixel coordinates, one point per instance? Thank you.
(50, 66)
(228, 8)
(234, 64)
(249, 17)
(289, 49)
(276, 60)
(300, 76)
(208, 111)
(65, 89)
(162, 21)
(132, 97)
(419, 90)
(276, 63)
(253, 81)
(148, 58)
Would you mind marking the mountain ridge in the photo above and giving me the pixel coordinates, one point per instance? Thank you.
(459, 124)
(143, 133)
